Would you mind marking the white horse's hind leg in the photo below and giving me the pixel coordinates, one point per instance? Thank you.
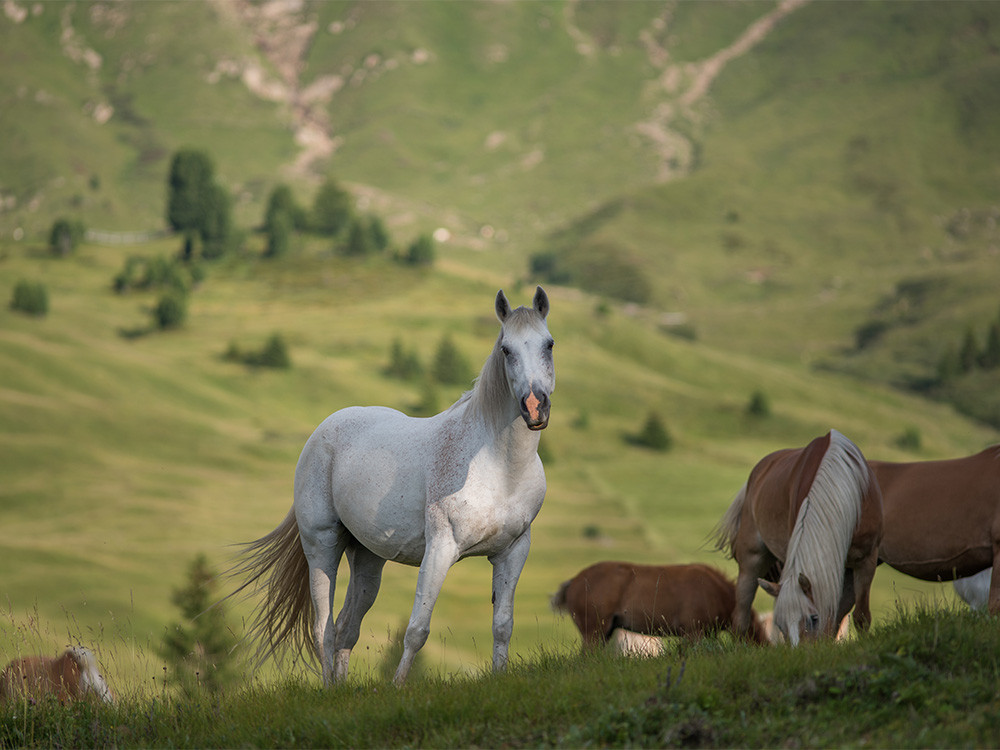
(323, 551)
(439, 555)
(507, 567)
(366, 577)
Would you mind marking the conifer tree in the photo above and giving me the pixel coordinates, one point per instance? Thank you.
(200, 646)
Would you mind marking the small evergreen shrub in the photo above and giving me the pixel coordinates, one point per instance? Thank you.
(450, 367)
(65, 235)
(654, 435)
(403, 363)
(759, 405)
(273, 354)
(170, 312)
(31, 298)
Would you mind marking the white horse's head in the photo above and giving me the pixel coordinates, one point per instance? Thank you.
(796, 615)
(526, 346)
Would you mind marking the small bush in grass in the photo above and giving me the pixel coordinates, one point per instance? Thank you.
(31, 298)
(403, 363)
(654, 435)
(910, 439)
(170, 312)
(65, 235)
(273, 354)
(450, 367)
(759, 405)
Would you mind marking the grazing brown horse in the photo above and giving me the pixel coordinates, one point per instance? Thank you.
(942, 518)
(72, 676)
(687, 600)
(813, 512)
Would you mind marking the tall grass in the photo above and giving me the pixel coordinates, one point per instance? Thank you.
(923, 678)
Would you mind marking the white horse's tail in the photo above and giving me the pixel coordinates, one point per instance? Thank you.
(276, 564)
(729, 525)
(826, 523)
(558, 600)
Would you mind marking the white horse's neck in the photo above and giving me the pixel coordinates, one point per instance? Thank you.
(491, 403)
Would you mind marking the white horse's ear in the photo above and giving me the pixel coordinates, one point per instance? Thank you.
(541, 302)
(502, 307)
(772, 588)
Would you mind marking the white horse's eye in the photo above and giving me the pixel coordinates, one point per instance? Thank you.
(505, 351)
(550, 345)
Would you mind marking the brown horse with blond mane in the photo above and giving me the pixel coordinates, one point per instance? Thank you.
(942, 518)
(73, 675)
(815, 513)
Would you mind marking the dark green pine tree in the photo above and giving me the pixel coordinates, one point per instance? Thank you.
(450, 367)
(968, 355)
(200, 647)
(990, 358)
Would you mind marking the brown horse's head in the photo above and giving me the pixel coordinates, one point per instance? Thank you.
(796, 615)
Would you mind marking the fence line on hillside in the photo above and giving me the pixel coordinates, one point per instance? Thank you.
(103, 237)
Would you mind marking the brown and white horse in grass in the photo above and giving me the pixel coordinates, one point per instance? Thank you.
(72, 676)
(815, 513)
(654, 600)
(942, 518)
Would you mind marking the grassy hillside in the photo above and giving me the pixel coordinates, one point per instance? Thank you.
(125, 456)
(772, 216)
(924, 679)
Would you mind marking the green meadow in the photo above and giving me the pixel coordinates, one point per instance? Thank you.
(818, 227)
(125, 456)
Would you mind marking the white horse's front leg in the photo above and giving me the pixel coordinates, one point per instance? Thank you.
(440, 554)
(507, 567)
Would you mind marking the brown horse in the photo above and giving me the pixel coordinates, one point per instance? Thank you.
(942, 518)
(811, 512)
(72, 676)
(686, 600)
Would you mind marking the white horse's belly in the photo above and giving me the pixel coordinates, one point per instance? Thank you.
(388, 472)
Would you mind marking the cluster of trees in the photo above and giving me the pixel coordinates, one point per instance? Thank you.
(448, 367)
(332, 214)
(969, 355)
(198, 207)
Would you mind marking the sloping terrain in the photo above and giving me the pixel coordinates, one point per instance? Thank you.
(776, 176)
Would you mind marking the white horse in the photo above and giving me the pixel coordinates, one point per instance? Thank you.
(379, 485)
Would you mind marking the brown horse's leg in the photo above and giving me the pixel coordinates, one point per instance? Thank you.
(848, 599)
(746, 589)
(593, 629)
(994, 600)
(864, 573)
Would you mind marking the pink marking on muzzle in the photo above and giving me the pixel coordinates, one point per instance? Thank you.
(532, 402)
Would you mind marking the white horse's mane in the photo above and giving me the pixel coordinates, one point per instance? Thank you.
(823, 530)
(489, 393)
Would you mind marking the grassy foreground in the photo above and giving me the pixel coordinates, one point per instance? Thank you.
(925, 678)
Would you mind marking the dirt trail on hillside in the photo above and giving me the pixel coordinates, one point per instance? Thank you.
(283, 32)
(683, 85)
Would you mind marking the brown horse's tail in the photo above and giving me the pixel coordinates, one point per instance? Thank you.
(729, 526)
(558, 600)
(276, 565)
